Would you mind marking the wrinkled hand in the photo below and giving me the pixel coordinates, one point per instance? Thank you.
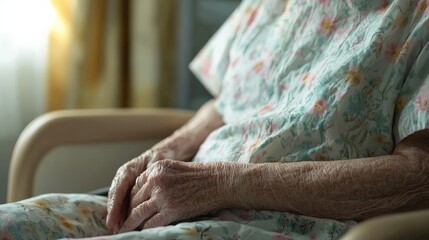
(169, 191)
(123, 182)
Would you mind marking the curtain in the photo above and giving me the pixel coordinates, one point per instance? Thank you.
(112, 53)
(154, 53)
(24, 28)
(59, 54)
(85, 55)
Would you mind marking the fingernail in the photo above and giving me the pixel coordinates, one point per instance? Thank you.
(108, 222)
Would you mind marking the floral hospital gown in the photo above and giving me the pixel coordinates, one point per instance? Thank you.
(297, 80)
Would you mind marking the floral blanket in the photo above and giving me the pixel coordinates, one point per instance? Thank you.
(57, 216)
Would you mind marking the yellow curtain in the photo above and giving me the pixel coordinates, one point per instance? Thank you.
(59, 52)
(112, 53)
(154, 53)
(168, 49)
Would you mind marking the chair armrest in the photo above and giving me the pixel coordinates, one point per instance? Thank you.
(409, 225)
(79, 127)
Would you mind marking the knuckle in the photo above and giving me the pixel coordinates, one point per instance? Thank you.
(141, 159)
(144, 155)
(156, 168)
(126, 167)
(163, 164)
(158, 179)
(159, 165)
(153, 156)
(149, 154)
(138, 161)
(157, 156)
(130, 167)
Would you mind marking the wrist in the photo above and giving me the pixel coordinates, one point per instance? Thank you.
(249, 188)
(178, 146)
(229, 180)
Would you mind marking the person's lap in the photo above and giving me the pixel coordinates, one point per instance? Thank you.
(81, 215)
(54, 216)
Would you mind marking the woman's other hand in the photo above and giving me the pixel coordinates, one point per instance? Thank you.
(180, 146)
(170, 191)
(123, 182)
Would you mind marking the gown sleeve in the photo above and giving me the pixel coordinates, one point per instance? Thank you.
(211, 63)
(412, 107)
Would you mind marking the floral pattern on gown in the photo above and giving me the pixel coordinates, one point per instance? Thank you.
(295, 80)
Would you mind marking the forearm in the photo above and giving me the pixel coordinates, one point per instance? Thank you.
(186, 140)
(348, 189)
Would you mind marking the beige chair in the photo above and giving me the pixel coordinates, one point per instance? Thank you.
(54, 130)
(57, 129)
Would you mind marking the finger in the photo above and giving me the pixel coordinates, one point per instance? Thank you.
(136, 187)
(140, 181)
(119, 190)
(141, 196)
(159, 220)
(124, 213)
(138, 215)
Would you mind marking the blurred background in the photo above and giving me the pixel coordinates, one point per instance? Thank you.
(79, 54)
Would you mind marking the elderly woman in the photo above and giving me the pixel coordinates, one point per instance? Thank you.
(320, 119)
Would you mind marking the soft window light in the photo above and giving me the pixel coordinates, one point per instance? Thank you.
(25, 22)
